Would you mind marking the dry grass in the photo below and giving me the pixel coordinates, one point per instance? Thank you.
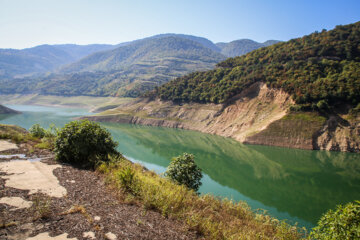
(210, 216)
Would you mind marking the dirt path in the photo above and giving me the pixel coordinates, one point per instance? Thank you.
(61, 202)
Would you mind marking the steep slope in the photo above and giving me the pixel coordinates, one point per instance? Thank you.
(242, 46)
(128, 70)
(318, 67)
(304, 93)
(16, 63)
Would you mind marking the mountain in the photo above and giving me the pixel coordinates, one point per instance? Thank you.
(318, 67)
(153, 51)
(128, 70)
(242, 46)
(6, 110)
(43, 58)
(304, 93)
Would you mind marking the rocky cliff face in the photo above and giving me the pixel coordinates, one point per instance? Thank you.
(259, 115)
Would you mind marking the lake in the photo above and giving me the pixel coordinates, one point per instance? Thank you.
(298, 185)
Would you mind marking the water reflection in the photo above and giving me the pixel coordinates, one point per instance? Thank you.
(302, 183)
(290, 183)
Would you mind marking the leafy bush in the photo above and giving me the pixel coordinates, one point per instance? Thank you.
(84, 143)
(183, 170)
(37, 131)
(322, 105)
(343, 224)
(52, 131)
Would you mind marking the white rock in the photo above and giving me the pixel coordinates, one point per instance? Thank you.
(5, 145)
(110, 236)
(33, 176)
(16, 202)
(90, 235)
(45, 236)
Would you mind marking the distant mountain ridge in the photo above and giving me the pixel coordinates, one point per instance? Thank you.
(144, 51)
(43, 58)
(242, 46)
(6, 110)
(126, 69)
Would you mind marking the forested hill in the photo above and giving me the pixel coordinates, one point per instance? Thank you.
(318, 69)
(128, 70)
(160, 52)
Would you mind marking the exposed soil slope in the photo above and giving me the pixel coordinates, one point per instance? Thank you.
(258, 115)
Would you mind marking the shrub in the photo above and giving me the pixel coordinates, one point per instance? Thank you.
(52, 131)
(37, 131)
(84, 143)
(343, 224)
(183, 170)
(322, 105)
(127, 180)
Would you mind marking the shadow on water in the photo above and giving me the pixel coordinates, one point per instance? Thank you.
(302, 183)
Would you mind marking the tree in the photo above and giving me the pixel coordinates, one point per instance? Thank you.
(183, 170)
(344, 223)
(84, 143)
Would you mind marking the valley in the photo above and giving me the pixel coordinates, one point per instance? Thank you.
(179, 120)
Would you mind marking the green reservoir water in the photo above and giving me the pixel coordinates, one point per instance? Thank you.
(298, 185)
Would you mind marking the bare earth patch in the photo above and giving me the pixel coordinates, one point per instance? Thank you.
(45, 236)
(33, 176)
(5, 145)
(71, 203)
(16, 202)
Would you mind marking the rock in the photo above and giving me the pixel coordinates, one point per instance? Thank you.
(110, 236)
(16, 202)
(89, 235)
(33, 176)
(45, 236)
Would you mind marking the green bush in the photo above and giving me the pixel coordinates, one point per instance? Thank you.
(128, 180)
(84, 143)
(342, 224)
(37, 131)
(183, 170)
(322, 105)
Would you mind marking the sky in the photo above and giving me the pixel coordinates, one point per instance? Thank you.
(27, 23)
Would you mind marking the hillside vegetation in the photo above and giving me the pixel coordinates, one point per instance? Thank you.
(318, 70)
(127, 69)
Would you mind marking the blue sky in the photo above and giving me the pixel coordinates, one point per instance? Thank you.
(27, 23)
